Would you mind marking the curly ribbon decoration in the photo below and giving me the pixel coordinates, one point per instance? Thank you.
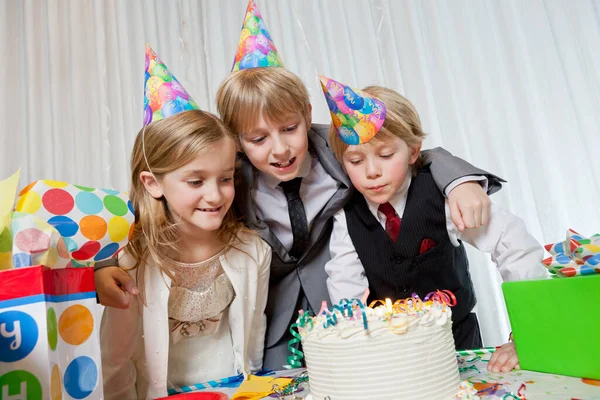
(331, 319)
(442, 296)
(297, 355)
(520, 394)
(363, 313)
(473, 367)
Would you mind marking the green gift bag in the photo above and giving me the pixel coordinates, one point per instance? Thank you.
(556, 323)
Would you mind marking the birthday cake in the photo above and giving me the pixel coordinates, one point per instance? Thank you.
(401, 350)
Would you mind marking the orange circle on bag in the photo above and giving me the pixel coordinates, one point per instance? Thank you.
(76, 324)
(93, 227)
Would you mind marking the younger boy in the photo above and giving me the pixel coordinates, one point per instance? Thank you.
(395, 236)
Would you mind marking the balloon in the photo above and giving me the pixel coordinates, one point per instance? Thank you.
(249, 61)
(379, 112)
(348, 136)
(343, 107)
(365, 130)
(353, 100)
(262, 59)
(262, 44)
(153, 84)
(187, 106)
(171, 108)
(179, 90)
(252, 24)
(166, 92)
(147, 115)
(244, 35)
(336, 120)
(155, 102)
(332, 104)
(335, 90)
(367, 107)
(273, 59)
(250, 44)
(162, 72)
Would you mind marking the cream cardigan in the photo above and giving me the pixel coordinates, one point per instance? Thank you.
(135, 341)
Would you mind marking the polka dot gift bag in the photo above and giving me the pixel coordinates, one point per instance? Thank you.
(49, 319)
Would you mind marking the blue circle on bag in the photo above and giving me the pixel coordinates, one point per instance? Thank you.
(18, 335)
(81, 377)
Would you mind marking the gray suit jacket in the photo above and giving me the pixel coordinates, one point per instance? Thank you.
(289, 277)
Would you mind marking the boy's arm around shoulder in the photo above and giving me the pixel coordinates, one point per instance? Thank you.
(120, 334)
(446, 168)
(345, 273)
(259, 322)
(516, 253)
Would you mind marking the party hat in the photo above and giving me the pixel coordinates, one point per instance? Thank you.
(255, 49)
(163, 94)
(356, 115)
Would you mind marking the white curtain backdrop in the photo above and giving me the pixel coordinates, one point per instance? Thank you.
(511, 86)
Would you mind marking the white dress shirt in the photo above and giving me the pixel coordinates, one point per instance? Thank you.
(271, 204)
(516, 253)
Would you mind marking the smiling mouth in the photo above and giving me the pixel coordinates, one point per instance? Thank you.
(216, 209)
(284, 164)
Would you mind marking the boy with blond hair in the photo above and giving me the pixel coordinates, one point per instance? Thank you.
(395, 235)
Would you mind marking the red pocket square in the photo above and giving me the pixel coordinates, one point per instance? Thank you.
(427, 244)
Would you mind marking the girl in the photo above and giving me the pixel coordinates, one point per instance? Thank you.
(203, 277)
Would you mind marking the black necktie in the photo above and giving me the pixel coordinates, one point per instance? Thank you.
(291, 189)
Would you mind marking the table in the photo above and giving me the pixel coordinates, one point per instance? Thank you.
(491, 385)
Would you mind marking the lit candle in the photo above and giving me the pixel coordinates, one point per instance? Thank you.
(388, 305)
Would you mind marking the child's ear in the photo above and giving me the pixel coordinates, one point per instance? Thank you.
(151, 184)
(309, 116)
(414, 154)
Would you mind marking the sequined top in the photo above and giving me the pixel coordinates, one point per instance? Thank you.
(201, 292)
(198, 318)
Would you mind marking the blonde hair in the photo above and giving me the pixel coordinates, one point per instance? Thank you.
(169, 144)
(401, 120)
(274, 92)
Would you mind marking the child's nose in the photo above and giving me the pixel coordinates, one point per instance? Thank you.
(373, 170)
(280, 147)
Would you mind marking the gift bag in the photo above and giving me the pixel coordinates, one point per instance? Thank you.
(49, 318)
(49, 330)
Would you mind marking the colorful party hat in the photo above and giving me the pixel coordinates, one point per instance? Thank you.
(163, 94)
(356, 115)
(255, 49)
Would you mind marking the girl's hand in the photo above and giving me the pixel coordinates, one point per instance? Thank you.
(115, 287)
(470, 206)
(504, 359)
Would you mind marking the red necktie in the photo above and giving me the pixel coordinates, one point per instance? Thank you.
(392, 220)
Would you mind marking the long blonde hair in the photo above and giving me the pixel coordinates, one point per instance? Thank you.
(169, 144)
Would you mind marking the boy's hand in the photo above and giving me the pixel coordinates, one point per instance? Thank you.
(115, 287)
(470, 206)
(504, 359)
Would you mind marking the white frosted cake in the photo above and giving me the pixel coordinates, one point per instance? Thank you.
(394, 351)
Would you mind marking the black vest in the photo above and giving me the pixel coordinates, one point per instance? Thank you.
(397, 270)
